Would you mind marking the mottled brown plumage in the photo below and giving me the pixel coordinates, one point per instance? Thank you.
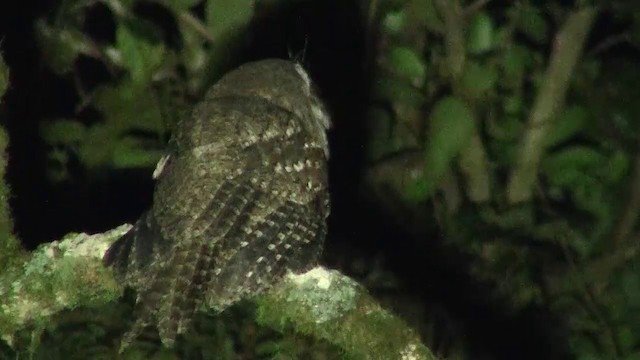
(241, 199)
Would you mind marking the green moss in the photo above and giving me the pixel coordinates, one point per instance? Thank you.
(337, 297)
(59, 275)
(334, 308)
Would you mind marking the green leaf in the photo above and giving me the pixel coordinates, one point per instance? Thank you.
(617, 167)
(503, 153)
(61, 46)
(228, 16)
(418, 190)
(568, 124)
(519, 217)
(481, 34)
(506, 128)
(129, 152)
(590, 195)
(626, 338)
(181, 5)
(513, 104)
(630, 283)
(478, 80)
(129, 105)
(397, 91)
(193, 56)
(532, 24)
(394, 22)
(515, 63)
(140, 51)
(227, 22)
(633, 356)
(408, 64)
(451, 126)
(569, 166)
(95, 151)
(120, 7)
(432, 19)
(63, 132)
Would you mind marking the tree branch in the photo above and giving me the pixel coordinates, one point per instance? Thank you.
(473, 158)
(333, 307)
(58, 275)
(568, 46)
(629, 216)
(322, 303)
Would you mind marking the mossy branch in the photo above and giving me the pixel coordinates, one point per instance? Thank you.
(56, 276)
(567, 47)
(322, 303)
(333, 307)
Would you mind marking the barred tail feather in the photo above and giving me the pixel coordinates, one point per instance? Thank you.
(134, 251)
(131, 256)
(117, 256)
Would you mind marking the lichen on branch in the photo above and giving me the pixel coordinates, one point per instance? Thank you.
(322, 303)
(331, 306)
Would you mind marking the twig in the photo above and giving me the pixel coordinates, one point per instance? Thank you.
(473, 159)
(474, 7)
(631, 212)
(188, 19)
(596, 272)
(567, 48)
(451, 14)
(610, 42)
